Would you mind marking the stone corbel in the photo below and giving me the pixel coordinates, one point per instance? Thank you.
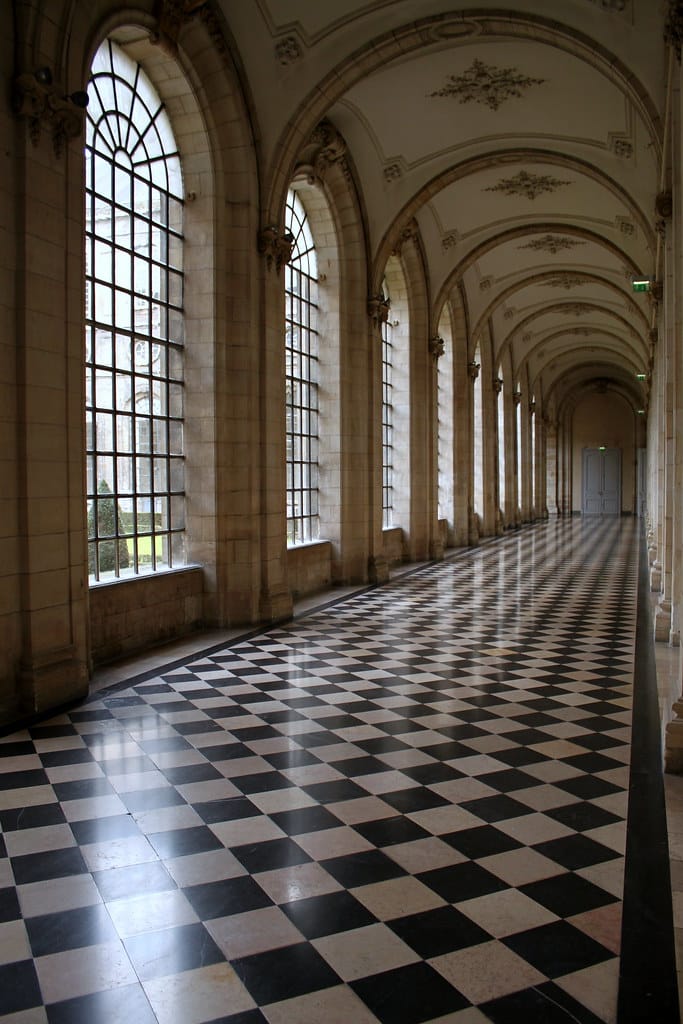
(378, 309)
(37, 99)
(516, 397)
(473, 371)
(171, 16)
(532, 408)
(276, 246)
(497, 385)
(437, 347)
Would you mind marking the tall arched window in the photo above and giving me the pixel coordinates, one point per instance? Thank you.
(478, 439)
(387, 419)
(301, 349)
(134, 324)
(500, 406)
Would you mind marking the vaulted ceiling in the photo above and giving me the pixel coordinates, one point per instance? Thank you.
(525, 140)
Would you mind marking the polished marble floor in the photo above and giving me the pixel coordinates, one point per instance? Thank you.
(407, 806)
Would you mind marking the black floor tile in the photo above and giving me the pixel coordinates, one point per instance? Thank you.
(70, 929)
(435, 932)
(19, 988)
(284, 973)
(461, 881)
(362, 868)
(409, 995)
(558, 949)
(226, 896)
(328, 914)
(124, 1003)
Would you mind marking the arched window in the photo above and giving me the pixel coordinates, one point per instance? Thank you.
(301, 350)
(500, 406)
(478, 439)
(134, 324)
(387, 419)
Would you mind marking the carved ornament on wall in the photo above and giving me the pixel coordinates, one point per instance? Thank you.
(325, 148)
(450, 240)
(486, 84)
(409, 233)
(527, 185)
(497, 385)
(171, 16)
(551, 244)
(473, 370)
(36, 98)
(378, 309)
(276, 246)
(437, 347)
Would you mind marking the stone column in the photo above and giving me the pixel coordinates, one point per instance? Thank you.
(275, 601)
(49, 556)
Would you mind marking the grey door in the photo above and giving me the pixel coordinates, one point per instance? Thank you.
(602, 481)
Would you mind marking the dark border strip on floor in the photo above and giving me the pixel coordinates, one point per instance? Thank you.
(648, 988)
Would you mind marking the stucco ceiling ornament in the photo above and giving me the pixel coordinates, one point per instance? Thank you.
(620, 146)
(392, 172)
(566, 281)
(288, 51)
(527, 185)
(450, 240)
(551, 244)
(486, 84)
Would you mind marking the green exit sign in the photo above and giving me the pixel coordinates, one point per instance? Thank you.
(641, 286)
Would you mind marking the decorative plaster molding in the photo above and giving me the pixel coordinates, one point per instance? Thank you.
(551, 243)
(565, 280)
(508, 314)
(37, 99)
(378, 309)
(276, 246)
(288, 51)
(171, 16)
(437, 347)
(392, 172)
(486, 84)
(450, 240)
(577, 308)
(473, 370)
(485, 283)
(527, 185)
(582, 332)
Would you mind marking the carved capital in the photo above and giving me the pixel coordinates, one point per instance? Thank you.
(171, 16)
(532, 408)
(325, 148)
(378, 309)
(409, 233)
(497, 385)
(473, 371)
(516, 397)
(437, 347)
(37, 99)
(276, 246)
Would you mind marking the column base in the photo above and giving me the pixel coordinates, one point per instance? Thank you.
(663, 621)
(276, 605)
(673, 741)
(378, 569)
(52, 679)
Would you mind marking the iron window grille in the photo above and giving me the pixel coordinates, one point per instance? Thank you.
(301, 355)
(134, 325)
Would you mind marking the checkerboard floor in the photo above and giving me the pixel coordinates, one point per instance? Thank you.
(408, 806)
